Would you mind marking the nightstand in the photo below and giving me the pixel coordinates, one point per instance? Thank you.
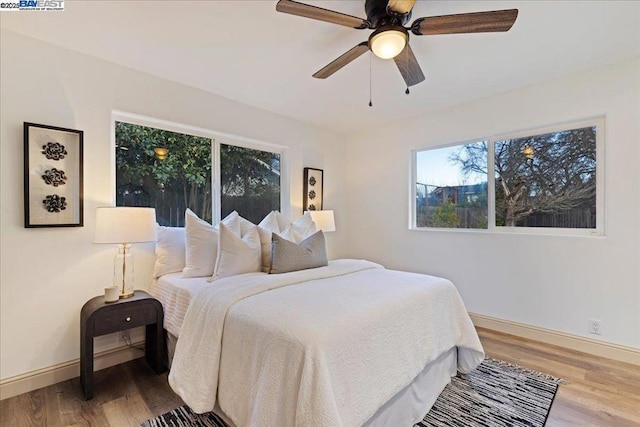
(100, 318)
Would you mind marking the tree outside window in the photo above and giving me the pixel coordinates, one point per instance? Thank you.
(249, 181)
(173, 171)
(545, 180)
(166, 170)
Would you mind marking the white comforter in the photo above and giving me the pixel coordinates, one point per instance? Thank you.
(328, 351)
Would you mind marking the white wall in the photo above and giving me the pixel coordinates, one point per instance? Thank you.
(551, 282)
(554, 282)
(48, 274)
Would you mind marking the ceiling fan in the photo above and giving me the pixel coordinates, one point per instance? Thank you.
(390, 38)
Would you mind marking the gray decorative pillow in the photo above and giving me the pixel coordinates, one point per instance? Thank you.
(288, 256)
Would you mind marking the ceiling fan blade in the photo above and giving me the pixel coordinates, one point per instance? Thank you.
(478, 22)
(342, 60)
(401, 6)
(326, 15)
(409, 67)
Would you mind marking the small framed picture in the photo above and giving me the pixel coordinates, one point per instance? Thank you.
(52, 176)
(312, 199)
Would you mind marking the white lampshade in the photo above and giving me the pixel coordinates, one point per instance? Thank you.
(388, 44)
(125, 225)
(324, 220)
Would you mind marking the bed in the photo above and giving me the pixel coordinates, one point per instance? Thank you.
(348, 344)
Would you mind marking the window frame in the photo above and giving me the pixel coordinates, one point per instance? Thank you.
(216, 138)
(599, 230)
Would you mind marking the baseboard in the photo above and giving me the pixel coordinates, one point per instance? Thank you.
(44, 377)
(561, 339)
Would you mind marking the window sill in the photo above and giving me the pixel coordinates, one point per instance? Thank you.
(557, 232)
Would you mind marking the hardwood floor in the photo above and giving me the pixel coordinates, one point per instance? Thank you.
(597, 391)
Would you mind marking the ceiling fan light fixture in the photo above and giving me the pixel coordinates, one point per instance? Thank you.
(387, 43)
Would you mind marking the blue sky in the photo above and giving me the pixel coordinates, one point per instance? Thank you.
(435, 168)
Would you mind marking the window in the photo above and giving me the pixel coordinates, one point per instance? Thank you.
(173, 171)
(547, 180)
(550, 179)
(166, 170)
(447, 195)
(249, 182)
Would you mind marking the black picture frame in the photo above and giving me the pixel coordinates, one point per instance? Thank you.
(313, 189)
(53, 176)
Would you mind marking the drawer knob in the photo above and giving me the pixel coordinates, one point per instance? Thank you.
(128, 319)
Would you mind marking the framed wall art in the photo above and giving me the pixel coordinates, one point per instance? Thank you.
(52, 176)
(312, 198)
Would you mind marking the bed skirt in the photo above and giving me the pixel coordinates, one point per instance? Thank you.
(407, 407)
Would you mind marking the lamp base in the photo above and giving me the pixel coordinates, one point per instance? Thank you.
(127, 295)
(123, 271)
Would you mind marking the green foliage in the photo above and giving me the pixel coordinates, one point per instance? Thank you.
(181, 180)
(481, 222)
(445, 216)
(249, 179)
(189, 156)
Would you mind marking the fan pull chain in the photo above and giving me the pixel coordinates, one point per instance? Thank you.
(406, 59)
(406, 64)
(370, 78)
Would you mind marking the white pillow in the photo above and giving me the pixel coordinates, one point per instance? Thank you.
(237, 255)
(233, 221)
(245, 225)
(170, 250)
(270, 222)
(303, 225)
(276, 222)
(201, 246)
(267, 226)
(292, 235)
(282, 220)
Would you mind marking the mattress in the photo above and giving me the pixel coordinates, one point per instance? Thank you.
(175, 293)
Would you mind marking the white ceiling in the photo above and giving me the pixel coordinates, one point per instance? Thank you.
(246, 51)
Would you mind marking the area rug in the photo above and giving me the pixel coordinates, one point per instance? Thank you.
(496, 393)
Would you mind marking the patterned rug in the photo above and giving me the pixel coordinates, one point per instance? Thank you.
(496, 394)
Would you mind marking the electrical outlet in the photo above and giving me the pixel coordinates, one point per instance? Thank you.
(595, 326)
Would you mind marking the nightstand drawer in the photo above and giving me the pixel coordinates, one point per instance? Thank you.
(124, 318)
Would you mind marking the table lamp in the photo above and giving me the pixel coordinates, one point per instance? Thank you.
(124, 225)
(324, 220)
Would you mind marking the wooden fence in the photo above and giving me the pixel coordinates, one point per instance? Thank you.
(572, 218)
(474, 217)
